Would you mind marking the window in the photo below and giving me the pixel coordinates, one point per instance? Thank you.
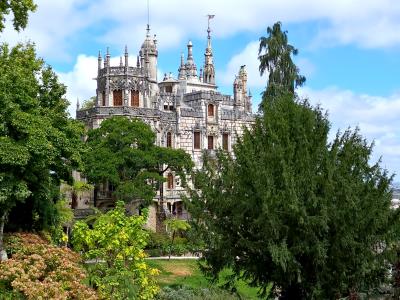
(196, 141)
(169, 139)
(210, 142)
(168, 89)
(103, 99)
(170, 181)
(225, 141)
(117, 95)
(135, 98)
(210, 110)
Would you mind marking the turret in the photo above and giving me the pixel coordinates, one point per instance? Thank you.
(149, 54)
(191, 69)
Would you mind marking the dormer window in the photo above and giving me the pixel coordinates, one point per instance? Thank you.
(210, 110)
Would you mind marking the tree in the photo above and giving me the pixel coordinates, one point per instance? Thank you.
(39, 143)
(118, 241)
(122, 152)
(20, 10)
(275, 55)
(175, 226)
(289, 208)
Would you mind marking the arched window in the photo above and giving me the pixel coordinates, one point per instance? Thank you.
(169, 139)
(210, 110)
(170, 181)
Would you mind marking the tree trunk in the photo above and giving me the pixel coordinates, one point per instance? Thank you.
(3, 254)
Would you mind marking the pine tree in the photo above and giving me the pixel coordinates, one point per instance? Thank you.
(290, 209)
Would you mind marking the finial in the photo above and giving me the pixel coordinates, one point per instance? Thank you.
(208, 28)
(77, 103)
(99, 57)
(108, 51)
(155, 39)
(148, 19)
(148, 30)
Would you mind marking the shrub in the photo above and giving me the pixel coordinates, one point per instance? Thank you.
(118, 241)
(187, 293)
(39, 270)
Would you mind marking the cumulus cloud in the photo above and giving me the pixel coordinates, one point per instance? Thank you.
(57, 25)
(377, 117)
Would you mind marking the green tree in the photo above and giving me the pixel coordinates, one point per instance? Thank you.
(39, 143)
(289, 208)
(122, 152)
(275, 55)
(174, 226)
(20, 10)
(118, 241)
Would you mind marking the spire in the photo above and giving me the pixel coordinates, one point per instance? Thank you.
(190, 66)
(126, 56)
(182, 69)
(99, 59)
(209, 69)
(108, 56)
(190, 51)
(138, 61)
(120, 62)
(77, 103)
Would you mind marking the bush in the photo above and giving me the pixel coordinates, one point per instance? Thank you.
(187, 293)
(38, 270)
(159, 245)
(118, 240)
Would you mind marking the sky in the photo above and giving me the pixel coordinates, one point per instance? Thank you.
(349, 51)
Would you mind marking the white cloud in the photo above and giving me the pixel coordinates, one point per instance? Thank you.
(249, 57)
(57, 25)
(377, 117)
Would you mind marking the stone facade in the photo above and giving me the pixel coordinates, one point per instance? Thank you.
(186, 112)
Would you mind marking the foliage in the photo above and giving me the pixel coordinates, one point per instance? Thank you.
(20, 10)
(175, 226)
(187, 293)
(39, 143)
(39, 270)
(118, 241)
(159, 244)
(288, 207)
(89, 103)
(123, 152)
(275, 55)
(181, 275)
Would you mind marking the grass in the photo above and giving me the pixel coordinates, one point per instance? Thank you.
(185, 272)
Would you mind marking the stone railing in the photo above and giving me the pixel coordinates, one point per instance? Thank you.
(126, 110)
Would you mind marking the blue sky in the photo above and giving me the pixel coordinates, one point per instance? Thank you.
(348, 50)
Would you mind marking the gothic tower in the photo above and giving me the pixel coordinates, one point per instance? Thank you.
(209, 69)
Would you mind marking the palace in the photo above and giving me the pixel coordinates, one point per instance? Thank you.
(186, 112)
